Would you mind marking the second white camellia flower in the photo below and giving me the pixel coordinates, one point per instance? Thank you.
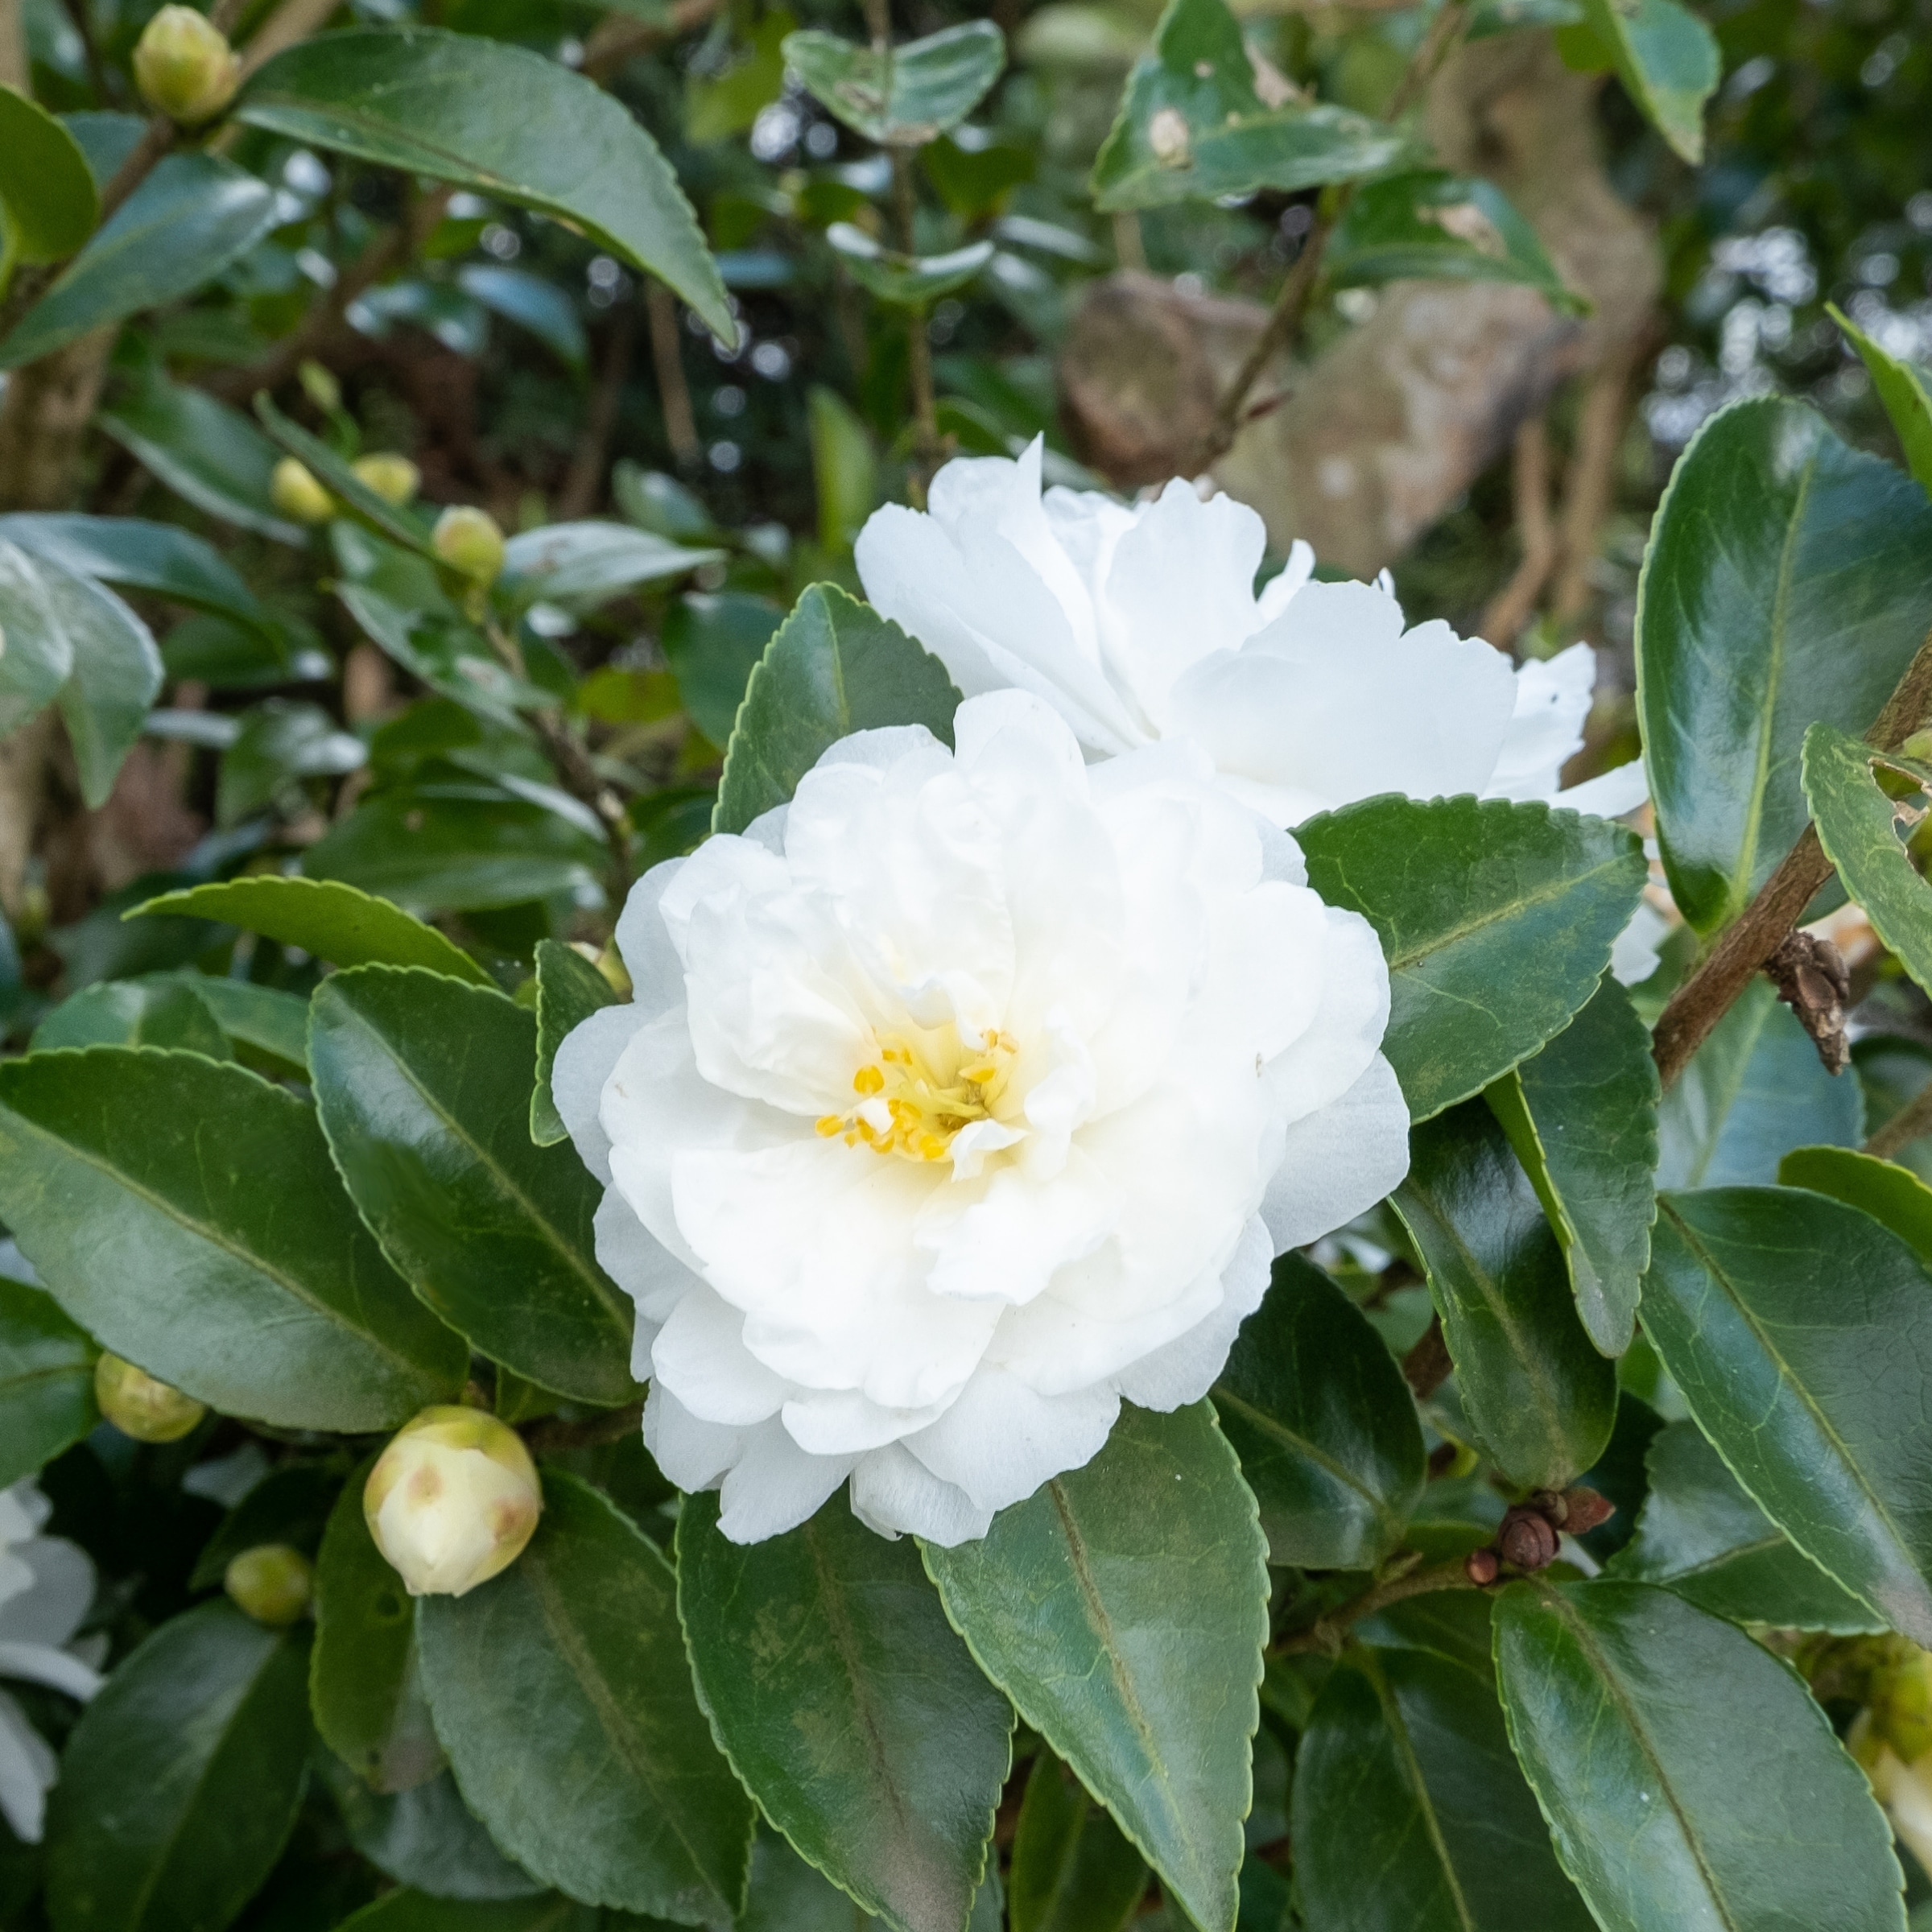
(967, 1095)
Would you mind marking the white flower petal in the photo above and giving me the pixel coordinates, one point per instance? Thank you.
(1185, 1370)
(775, 1485)
(841, 1421)
(657, 973)
(1610, 794)
(585, 1061)
(1546, 725)
(62, 1592)
(41, 1664)
(1339, 1162)
(1635, 955)
(28, 1769)
(695, 1455)
(896, 1494)
(700, 1355)
(1000, 1440)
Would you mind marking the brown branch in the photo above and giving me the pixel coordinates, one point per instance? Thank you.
(1515, 603)
(1427, 1366)
(1325, 1635)
(1911, 1120)
(1761, 929)
(1591, 483)
(667, 360)
(550, 1434)
(583, 484)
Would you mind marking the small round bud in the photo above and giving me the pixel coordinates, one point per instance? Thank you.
(469, 541)
(296, 493)
(394, 478)
(1527, 1539)
(452, 1500)
(184, 66)
(272, 1583)
(1901, 1706)
(138, 1406)
(1480, 1567)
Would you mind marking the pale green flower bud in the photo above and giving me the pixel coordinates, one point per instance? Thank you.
(394, 478)
(1901, 1705)
(273, 1583)
(469, 541)
(452, 1500)
(138, 1406)
(184, 66)
(296, 493)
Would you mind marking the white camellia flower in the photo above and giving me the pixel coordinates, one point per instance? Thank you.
(1142, 624)
(967, 1095)
(46, 1586)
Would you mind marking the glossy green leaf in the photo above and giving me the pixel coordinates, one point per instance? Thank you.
(181, 1781)
(834, 667)
(407, 1910)
(1752, 1091)
(1541, 1398)
(159, 1011)
(48, 205)
(1409, 1812)
(1858, 829)
(106, 139)
(428, 1838)
(452, 657)
(193, 215)
(712, 643)
(334, 922)
(423, 1085)
(788, 1895)
(502, 121)
(1800, 1332)
(586, 564)
(1641, 1721)
(1901, 388)
(844, 469)
(1072, 1871)
(1148, 1690)
(848, 1708)
(906, 95)
(209, 454)
(281, 742)
(39, 654)
(365, 1683)
(1323, 1424)
(1496, 919)
(1785, 583)
(1667, 60)
(569, 990)
(547, 311)
(183, 1212)
(905, 281)
(1703, 1536)
(561, 1693)
(1582, 1118)
(1892, 1195)
(1192, 126)
(132, 554)
(1441, 227)
(47, 1381)
(117, 676)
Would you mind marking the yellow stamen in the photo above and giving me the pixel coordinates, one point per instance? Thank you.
(931, 1086)
(868, 1079)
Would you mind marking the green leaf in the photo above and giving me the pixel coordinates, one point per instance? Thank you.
(181, 1782)
(1147, 1687)
(1072, 1871)
(1901, 388)
(905, 281)
(133, 554)
(1192, 126)
(848, 1708)
(1857, 828)
(160, 1011)
(365, 1682)
(1539, 1394)
(844, 470)
(48, 205)
(412, 531)
(712, 643)
(1323, 1424)
(1800, 1332)
(105, 140)
(904, 96)
(834, 667)
(1409, 1811)
(39, 653)
(1752, 1091)
(585, 564)
(1892, 1195)
(547, 311)
(423, 1085)
(569, 990)
(184, 1212)
(1496, 919)
(281, 743)
(1582, 1118)
(502, 122)
(1668, 61)
(1640, 1722)
(1442, 227)
(580, 1635)
(47, 1381)
(1784, 583)
(332, 921)
(274, 1023)
(208, 454)
(1703, 1536)
(728, 103)
(193, 215)
(409, 1910)
(427, 1837)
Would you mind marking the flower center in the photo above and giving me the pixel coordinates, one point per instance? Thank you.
(913, 1098)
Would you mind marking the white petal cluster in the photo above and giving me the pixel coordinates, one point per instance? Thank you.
(46, 1586)
(963, 1097)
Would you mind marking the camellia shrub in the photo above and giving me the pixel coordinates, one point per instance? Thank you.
(1007, 1213)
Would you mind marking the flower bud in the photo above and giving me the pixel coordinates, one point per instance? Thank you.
(1901, 1705)
(139, 1405)
(272, 1583)
(184, 67)
(394, 478)
(296, 493)
(469, 541)
(452, 1500)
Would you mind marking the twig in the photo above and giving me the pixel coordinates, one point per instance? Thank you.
(90, 53)
(1427, 1366)
(617, 39)
(550, 1434)
(1326, 1633)
(1591, 482)
(1757, 932)
(585, 477)
(1512, 606)
(1911, 1120)
(1284, 320)
(667, 360)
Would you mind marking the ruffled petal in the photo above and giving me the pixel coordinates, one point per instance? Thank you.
(1339, 1162)
(1186, 1369)
(1546, 724)
(775, 1485)
(1610, 794)
(695, 1455)
(700, 1357)
(63, 1592)
(587, 1058)
(656, 974)
(1000, 1440)
(28, 1769)
(895, 1494)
